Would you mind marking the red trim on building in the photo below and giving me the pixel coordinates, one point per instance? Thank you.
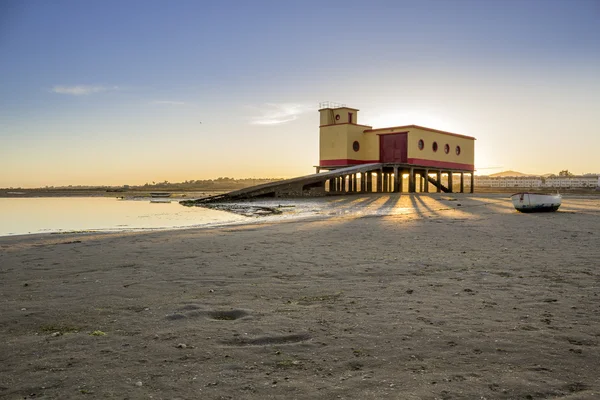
(421, 127)
(344, 161)
(416, 161)
(441, 164)
(344, 123)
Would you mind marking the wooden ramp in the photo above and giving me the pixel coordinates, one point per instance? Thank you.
(308, 185)
(438, 184)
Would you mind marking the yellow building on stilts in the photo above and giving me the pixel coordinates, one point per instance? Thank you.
(356, 158)
(423, 155)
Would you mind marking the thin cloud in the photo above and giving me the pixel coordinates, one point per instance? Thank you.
(169, 102)
(82, 90)
(274, 114)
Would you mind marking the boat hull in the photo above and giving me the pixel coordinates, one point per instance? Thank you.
(536, 202)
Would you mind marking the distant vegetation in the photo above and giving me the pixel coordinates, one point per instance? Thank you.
(222, 183)
(565, 172)
(207, 184)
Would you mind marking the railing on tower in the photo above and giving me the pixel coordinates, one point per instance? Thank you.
(330, 104)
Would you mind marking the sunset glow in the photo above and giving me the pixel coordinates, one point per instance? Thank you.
(92, 96)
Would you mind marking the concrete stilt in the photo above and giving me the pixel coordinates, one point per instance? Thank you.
(396, 181)
(393, 179)
(472, 182)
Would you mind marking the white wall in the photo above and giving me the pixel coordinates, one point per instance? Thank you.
(533, 181)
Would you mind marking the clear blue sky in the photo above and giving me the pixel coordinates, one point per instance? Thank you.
(127, 92)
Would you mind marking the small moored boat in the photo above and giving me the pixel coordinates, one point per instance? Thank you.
(160, 194)
(160, 200)
(536, 202)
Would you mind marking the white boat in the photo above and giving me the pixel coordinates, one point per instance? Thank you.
(160, 200)
(160, 194)
(536, 202)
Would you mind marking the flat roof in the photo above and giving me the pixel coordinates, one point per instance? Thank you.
(420, 127)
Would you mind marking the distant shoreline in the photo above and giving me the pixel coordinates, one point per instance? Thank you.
(26, 193)
(200, 193)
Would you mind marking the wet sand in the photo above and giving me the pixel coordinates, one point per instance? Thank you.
(427, 300)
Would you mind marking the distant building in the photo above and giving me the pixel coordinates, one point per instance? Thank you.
(508, 181)
(576, 181)
(566, 182)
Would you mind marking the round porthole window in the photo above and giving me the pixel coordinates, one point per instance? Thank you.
(458, 150)
(446, 148)
(355, 146)
(421, 144)
(434, 146)
(337, 117)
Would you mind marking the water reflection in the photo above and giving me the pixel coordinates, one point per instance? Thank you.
(56, 214)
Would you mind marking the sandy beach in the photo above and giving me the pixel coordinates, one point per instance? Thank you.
(455, 298)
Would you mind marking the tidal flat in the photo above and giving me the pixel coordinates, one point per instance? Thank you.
(378, 296)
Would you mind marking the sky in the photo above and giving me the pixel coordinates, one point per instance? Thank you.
(128, 92)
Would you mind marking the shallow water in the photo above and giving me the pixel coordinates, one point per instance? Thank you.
(64, 214)
(67, 214)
